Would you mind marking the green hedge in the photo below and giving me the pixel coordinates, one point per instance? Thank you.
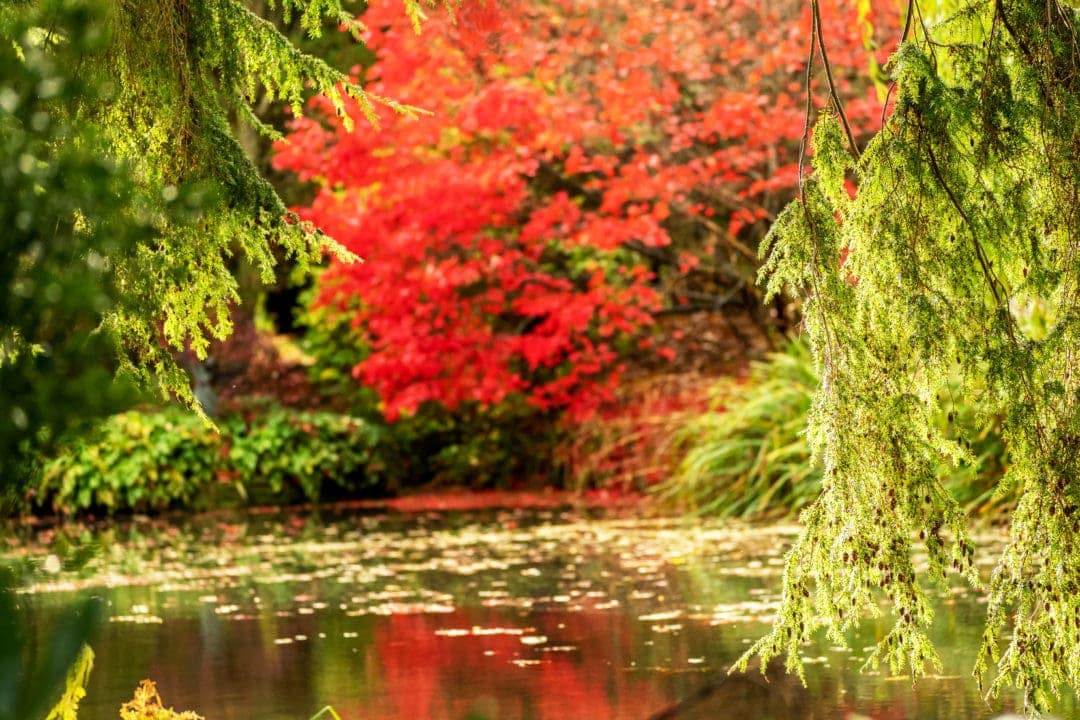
(146, 461)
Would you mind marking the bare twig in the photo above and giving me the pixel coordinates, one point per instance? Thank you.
(911, 9)
(815, 7)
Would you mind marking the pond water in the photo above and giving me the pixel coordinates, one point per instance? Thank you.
(496, 614)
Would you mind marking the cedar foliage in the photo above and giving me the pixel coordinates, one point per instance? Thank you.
(957, 261)
(181, 75)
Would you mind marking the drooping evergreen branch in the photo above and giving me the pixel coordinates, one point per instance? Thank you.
(183, 72)
(955, 267)
(838, 105)
(908, 14)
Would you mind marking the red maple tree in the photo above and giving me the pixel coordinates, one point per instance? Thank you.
(584, 163)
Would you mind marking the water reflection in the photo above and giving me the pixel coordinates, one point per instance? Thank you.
(498, 614)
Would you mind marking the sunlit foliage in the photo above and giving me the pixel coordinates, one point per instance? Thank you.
(146, 704)
(74, 687)
(126, 196)
(956, 262)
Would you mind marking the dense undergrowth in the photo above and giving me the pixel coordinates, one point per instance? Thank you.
(745, 455)
(296, 433)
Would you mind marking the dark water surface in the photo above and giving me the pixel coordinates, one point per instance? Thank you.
(497, 614)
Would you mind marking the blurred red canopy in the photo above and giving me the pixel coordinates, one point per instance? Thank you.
(512, 238)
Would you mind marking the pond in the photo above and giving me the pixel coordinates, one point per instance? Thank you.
(493, 614)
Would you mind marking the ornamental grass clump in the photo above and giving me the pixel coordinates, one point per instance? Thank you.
(749, 456)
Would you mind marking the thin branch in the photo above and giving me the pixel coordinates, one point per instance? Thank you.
(805, 140)
(984, 262)
(930, 44)
(995, 285)
(903, 38)
(815, 280)
(726, 236)
(999, 11)
(829, 77)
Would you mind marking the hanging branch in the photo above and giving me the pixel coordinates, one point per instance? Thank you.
(908, 13)
(829, 77)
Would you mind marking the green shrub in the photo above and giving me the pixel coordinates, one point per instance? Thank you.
(748, 456)
(140, 461)
(133, 460)
(284, 451)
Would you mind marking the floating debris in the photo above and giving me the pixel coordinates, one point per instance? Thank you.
(477, 630)
(669, 628)
(820, 659)
(141, 619)
(758, 611)
(452, 632)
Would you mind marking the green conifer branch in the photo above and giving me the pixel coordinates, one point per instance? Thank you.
(961, 271)
(182, 70)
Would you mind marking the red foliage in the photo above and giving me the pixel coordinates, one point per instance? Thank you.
(427, 676)
(572, 173)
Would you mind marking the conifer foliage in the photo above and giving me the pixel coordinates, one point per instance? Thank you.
(585, 165)
(179, 75)
(956, 264)
(183, 70)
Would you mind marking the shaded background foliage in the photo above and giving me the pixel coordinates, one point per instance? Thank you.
(64, 206)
